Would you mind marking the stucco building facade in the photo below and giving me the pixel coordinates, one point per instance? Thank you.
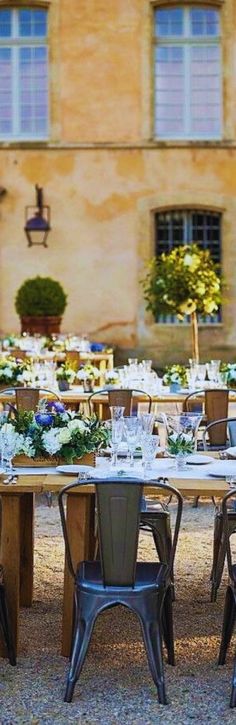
(106, 173)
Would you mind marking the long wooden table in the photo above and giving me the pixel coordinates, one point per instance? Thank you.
(17, 536)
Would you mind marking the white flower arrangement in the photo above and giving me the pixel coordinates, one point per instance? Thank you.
(14, 371)
(88, 372)
(112, 377)
(52, 431)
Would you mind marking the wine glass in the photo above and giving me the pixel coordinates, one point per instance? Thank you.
(9, 449)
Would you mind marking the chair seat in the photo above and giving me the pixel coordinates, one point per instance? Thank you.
(149, 576)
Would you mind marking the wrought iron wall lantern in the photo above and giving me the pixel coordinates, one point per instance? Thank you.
(37, 226)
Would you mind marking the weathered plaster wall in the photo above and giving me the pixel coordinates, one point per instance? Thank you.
(103, 178)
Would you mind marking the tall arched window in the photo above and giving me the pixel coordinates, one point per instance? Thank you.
(187, 72)
(23, 74)
(185, 226)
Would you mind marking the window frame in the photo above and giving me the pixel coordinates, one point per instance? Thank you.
(15, 42)
(187, 41)
(187, 213)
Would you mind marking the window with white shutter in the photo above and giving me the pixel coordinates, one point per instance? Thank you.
(187, 73)
(23, 74)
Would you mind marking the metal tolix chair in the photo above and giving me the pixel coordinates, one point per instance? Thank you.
(143, 587)
(219, 545)
(230, 597)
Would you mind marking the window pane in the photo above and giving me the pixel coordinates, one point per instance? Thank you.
(169, 22)
(204, 22)
(169, 82)
(33, 82)
(5, 23)
(205, 86)
(32, 23)
(5, 91)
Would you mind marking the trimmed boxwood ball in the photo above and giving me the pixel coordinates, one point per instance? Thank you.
(40, 296)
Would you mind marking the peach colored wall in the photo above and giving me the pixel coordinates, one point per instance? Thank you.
(104, 176)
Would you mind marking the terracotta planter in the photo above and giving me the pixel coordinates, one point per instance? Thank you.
(22, 461)
(46, 325)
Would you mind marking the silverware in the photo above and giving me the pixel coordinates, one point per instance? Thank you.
(13, 478)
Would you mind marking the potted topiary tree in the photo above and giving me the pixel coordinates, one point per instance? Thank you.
(184, 282)
(40, 303)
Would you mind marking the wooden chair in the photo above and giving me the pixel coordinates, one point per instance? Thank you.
(73, 359)
(214, 405)
(18, 353)
(121, 397)
(118, 579)
(230, 597)
(26, 398)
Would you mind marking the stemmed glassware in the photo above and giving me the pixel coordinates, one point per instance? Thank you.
(132, 434)
(149, 445)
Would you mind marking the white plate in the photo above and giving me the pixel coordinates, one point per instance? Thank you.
(198, 460)
(119, 471)
(74, 469)
(231, 452)
(222, 469)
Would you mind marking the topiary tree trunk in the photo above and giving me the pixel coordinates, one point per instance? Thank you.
(195, 340)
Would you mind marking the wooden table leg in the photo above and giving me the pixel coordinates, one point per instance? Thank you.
(26, 549)
(80, 524)
(10, 559)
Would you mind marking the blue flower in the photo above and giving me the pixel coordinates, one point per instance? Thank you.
(44, 418)
(57, 407)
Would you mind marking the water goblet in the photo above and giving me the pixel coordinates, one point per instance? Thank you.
(117, 411)
(149, 445)
(117, 429)
(132, 434)
(147, 422)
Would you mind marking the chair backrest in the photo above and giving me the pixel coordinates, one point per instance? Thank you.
(121, 397)
(26, 398)
(124, 397)
(73, 359)
(118, 509)
(216, 403)
(228, 423)
(18, 353)
(191, 404)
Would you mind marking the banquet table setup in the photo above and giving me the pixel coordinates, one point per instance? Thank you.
(17, 538)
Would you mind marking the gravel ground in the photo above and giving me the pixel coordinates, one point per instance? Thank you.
(115, 685)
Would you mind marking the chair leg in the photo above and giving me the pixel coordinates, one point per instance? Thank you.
(216, 572)
(6, 628)
(85, 623)
(195, 502)
(228, 625)
(233, 691)
(167, 625)
(153, 643)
